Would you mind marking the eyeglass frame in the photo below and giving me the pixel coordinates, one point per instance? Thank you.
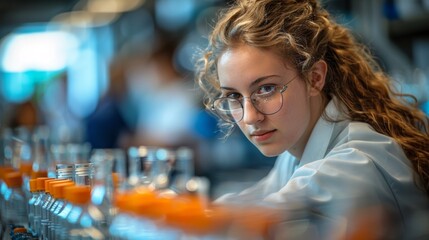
(282, 90)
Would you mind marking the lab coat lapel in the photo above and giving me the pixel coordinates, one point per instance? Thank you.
(321, 136)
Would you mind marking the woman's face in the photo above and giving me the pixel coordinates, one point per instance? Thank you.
(244, 70)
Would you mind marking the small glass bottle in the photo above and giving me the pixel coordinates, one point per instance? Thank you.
(57, 207)
(26, 169)
(140, 166)
(160, 171)
(79, 220)
(78, 152)
(65, 171)
(46, 206)
(83, 174)
(39, 203)
(47, 199)
(40, 150)
(182, 169)
(15, 211)
(3, 186)
(128, 223)
(109, 164)
(60, 227)
(30, 207)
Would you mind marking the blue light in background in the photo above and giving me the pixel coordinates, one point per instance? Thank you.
(82, 85)
(33, 56)
(17, 87)
(28, 59)
(43, 51)
(21, 86)
(172, 16)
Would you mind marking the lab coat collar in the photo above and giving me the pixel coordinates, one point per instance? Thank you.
(322, 135)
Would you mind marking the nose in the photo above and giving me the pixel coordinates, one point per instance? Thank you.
(250, 115)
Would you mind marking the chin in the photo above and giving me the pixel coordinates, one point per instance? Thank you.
(269, 151)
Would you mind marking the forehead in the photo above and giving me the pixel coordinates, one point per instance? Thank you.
(246, 63)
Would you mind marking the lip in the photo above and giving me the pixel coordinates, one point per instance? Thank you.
(261, 136)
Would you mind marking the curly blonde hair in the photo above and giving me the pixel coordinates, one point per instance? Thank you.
(303, 32)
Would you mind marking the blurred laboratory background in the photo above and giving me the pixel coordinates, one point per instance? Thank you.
(119, 73)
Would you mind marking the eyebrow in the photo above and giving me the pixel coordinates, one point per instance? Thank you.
(257, 81)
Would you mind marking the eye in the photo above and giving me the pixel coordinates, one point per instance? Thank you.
(265, 90)
(233, 95)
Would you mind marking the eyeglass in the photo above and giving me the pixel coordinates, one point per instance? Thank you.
(267, 99)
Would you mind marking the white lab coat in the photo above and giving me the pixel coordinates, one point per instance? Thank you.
(345, 165)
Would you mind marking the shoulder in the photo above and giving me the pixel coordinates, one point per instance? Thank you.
(364, 140)
(361, 156)
(365, 132)
(353, 169)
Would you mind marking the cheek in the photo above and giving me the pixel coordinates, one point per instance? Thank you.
(293, 119)
(297, 104)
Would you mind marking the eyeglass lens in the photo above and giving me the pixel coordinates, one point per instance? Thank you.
(231, 110)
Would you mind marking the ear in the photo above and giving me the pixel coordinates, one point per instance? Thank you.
(317, 77)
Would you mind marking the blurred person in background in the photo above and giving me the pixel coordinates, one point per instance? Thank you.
(112, 123)
(300, 87)
(166, 106)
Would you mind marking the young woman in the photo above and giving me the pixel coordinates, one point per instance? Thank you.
(299, 86)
